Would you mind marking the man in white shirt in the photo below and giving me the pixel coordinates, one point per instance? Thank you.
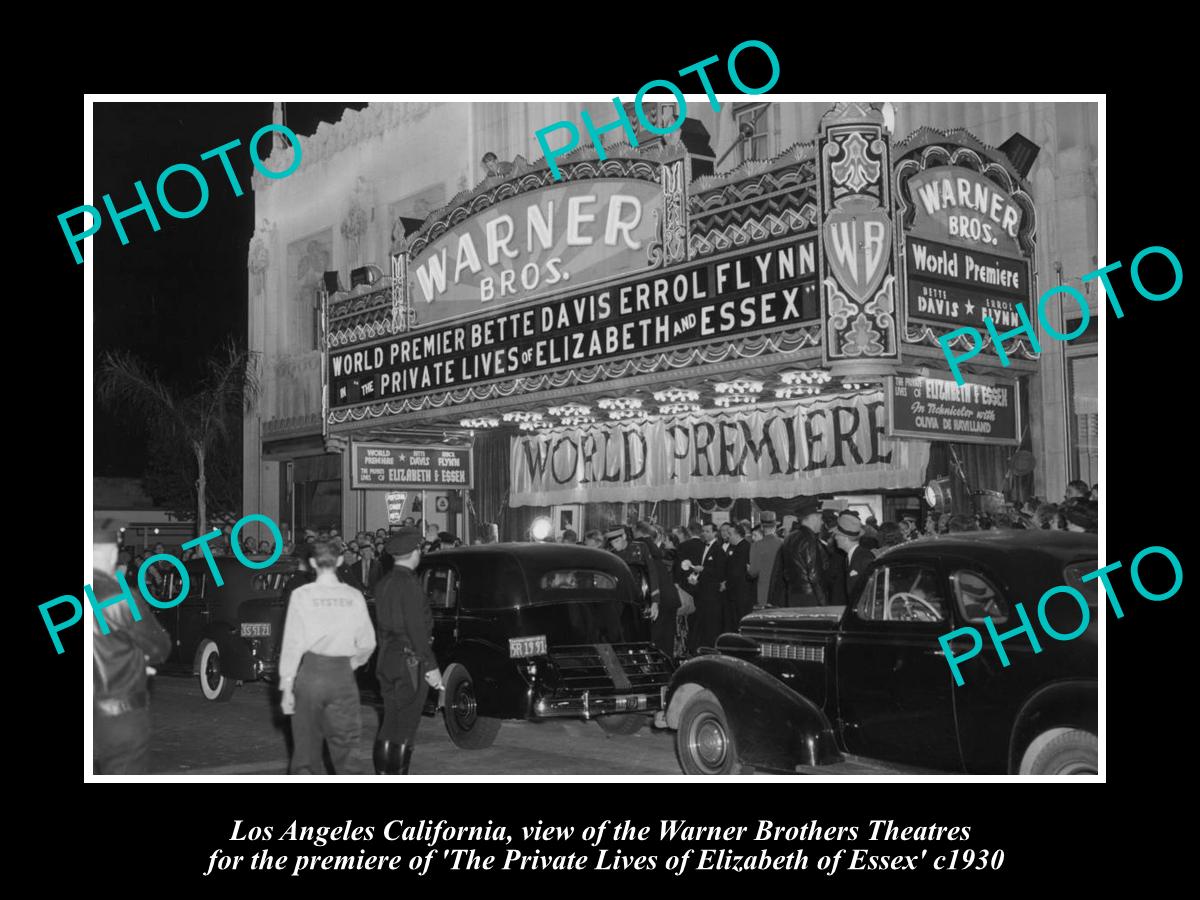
(327, 635)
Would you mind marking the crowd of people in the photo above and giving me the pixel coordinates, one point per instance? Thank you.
(365, 555)
(700, 580)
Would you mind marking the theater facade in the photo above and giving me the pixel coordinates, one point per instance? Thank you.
(654, 336)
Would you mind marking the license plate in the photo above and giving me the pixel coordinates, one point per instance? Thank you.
(527, 646)
(256, 629)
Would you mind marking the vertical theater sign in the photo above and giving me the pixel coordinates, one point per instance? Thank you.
(643, 331)
(858, 273)
(966, 241)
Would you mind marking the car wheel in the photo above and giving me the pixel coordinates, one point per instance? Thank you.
(1070, 753)
(467, 729)
(213, 682)
(629, 723)
(704, 742)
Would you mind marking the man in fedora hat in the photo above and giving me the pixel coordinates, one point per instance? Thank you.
(798, 578)
(848, 532)
(762, 559)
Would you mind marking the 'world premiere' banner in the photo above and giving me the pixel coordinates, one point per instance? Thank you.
(831, 445)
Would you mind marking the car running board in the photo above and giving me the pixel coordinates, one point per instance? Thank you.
(859, 765)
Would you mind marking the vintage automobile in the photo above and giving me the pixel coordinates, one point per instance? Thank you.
(866, 687)
(537, 631)
(230, 633)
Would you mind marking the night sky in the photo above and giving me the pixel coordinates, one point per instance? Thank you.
(172, 295)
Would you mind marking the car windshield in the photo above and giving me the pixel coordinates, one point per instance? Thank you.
(270, 581)
(1073, 575)
(578, 579)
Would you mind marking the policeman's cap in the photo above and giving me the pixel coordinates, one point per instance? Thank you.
(404, 541)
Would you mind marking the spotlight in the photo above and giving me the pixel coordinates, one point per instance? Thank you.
(541, 528)
(937, 493)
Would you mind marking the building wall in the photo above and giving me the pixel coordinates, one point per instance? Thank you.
(411, 158)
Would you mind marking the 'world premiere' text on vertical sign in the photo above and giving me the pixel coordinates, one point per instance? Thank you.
(126, 595)
(955, 337)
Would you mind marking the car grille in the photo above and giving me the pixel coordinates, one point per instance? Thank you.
(609, 667)
(803, 652)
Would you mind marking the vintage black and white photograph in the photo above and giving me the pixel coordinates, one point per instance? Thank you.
(474, 438)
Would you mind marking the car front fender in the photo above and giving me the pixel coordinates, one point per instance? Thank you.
(773, 726)
(236, 660)
(1063, 705)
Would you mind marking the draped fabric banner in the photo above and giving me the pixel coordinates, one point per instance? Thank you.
(815, 447)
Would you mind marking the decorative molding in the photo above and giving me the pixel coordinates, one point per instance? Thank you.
(671, 244)
(928, 147)
(855, 257)
(360, 207)
(926, 134)
(308, 424)
(760, 224)
(525, 178)
(355, 127)
(731, 352)
(797, 153)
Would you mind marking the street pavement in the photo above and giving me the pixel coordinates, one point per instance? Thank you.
(248, 735)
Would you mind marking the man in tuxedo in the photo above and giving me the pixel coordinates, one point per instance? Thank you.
(708, 587)
(848, 533)
(689, 551)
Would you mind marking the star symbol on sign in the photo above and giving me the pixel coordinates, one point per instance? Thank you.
(970, 307)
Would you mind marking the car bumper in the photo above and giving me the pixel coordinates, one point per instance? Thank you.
(589, 705)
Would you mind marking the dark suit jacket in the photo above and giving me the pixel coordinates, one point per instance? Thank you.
(349, 573)
(691, 549)
(405, 624)
(713, 573)
(857, 572)
(835, 574)
(798, 578)
(738, 586)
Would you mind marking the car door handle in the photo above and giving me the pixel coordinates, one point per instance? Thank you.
(935, 652)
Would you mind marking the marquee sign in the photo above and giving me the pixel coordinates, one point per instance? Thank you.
(966, 241)
(824, 446)
(959, 206)
(528, 245)
(759, 291)
(958, 286)
(390, 466)
(857, 267)
(941, 409)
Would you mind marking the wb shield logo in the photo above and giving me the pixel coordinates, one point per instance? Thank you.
(858, 245)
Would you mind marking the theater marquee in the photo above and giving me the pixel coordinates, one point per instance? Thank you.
(388, 466)
(967, 235)
(760, 291)
(823, 446)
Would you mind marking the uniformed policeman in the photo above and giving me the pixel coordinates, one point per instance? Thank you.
(122, 648)
(406, 666)
(326, 636)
